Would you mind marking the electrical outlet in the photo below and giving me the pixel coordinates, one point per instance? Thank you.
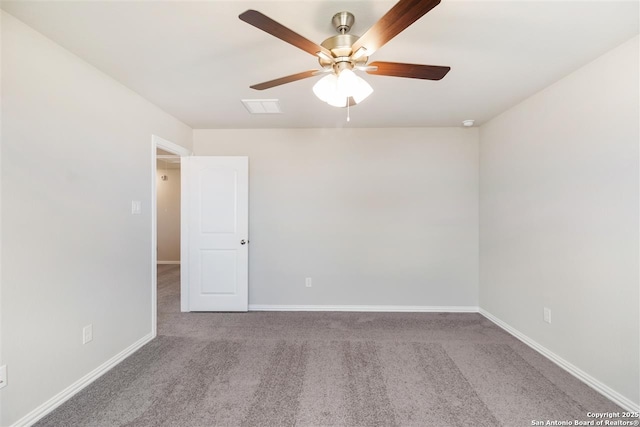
(3, 376)
(547, 315)
(307, 282)
(87, 334)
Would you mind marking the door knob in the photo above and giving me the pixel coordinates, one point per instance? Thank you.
(242, 242)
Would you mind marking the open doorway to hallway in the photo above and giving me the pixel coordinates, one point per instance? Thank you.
(168, 207)
(167, 232)
(166, 161)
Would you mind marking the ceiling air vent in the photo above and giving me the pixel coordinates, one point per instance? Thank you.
(262, 106)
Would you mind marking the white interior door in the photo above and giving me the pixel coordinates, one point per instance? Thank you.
(217, 209)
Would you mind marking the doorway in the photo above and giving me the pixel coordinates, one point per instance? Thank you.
(168, 234)
(166, 189)
(168, 207)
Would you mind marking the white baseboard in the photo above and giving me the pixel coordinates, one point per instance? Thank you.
(372, 308)
(168, 262)
(603, 389)
(66, 394)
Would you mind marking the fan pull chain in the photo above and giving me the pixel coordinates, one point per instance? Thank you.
(348, 104)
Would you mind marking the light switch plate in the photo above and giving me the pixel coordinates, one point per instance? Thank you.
(87, 334)
(136, 207)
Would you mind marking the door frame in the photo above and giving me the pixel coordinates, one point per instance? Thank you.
(163, 144)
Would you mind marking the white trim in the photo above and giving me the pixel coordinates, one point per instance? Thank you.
(157, 142)
(169, 262)
(1, 353)
(169, 146)
(372, 308)
(597, 385)
(66, 394)
(184, 236)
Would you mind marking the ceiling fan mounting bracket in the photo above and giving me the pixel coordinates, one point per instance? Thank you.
(343, 21)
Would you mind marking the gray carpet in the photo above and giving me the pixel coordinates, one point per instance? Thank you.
(327, 369)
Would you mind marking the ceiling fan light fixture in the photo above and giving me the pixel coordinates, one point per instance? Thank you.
(337, 100)
(347, 82)
(361, 90)
(335, 90)
(325, 87)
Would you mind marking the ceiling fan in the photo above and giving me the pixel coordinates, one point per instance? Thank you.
(339, 55)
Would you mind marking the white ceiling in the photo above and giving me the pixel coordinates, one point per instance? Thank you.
(196, 60)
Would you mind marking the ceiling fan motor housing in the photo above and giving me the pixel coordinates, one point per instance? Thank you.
(340, 45)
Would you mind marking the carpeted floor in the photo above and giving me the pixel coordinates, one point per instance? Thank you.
(327, 369)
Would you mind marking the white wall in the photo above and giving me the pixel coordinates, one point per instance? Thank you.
(373, 216)
(76, 150)
(559, 218)
(168, 209)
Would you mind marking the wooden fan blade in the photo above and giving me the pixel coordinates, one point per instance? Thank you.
(278, 30)
(284, 80)
(397, 19)
(412, 71)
